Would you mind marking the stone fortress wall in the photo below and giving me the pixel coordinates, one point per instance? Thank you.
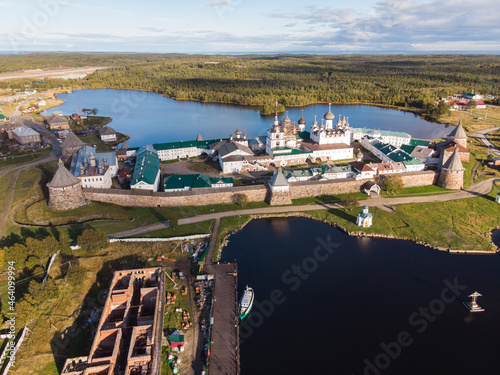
(254, 193)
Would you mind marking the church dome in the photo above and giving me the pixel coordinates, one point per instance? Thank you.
(237, 132)
(329, 115)
(302, 121)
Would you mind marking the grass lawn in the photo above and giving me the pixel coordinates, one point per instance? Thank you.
(227, 224)
(203, 227)
(326, 199)
(201, 167)
(494, 137)
(460, 225)
(5, 182)
(13, 161)
(418, 190)
(475, 121)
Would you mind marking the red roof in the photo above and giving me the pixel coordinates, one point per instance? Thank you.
(479, 103)
(361, 166)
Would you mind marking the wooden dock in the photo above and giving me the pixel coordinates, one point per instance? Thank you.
(224, 347)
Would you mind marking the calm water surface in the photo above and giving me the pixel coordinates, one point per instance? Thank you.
(336, 315)
(149, 118)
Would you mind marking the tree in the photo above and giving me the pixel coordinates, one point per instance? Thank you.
(76, 275)
(91, 240)
(349, 201)
(17, 253)
(63, 244)
(241, 200)
(393, 184)
(472, 104)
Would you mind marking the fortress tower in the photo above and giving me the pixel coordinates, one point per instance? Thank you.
(458, 135)
(452, 172)
(65, 190)
(70, 146)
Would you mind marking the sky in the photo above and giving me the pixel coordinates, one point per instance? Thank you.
(251, 26)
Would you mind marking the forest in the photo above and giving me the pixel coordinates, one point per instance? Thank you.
(405, 81)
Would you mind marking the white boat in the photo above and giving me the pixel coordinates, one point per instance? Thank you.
(246, 302)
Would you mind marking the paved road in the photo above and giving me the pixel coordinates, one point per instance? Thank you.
(382, 202)
(144, 229)
(481, 135)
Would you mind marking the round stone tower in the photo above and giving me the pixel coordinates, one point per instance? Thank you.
(70, 146)
(65, 190)
(458, 135)
(452, 172)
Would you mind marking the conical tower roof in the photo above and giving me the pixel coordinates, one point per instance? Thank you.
(63, 178)
(125, 145)
(454, 163)
(72, 140)
(278, 179)
(199, 137)
(458, 132)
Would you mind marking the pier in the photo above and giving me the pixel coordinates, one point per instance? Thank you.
(224, 346)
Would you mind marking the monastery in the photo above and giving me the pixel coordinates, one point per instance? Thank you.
(286, 144)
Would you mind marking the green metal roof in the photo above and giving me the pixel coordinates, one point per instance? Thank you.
(193, 181)
(147, 166)
(400, 155)
(412, 161)
(408, 148)
(185, 144)
(418, 142)
(298, 173)
(176, 338)
(304, 135)
(2, 117)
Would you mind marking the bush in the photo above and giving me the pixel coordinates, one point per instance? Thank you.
(349, 201)
(393, 184)
(241, 200)
(91, 240)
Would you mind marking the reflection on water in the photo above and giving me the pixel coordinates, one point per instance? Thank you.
(340, 310)
(364, 243)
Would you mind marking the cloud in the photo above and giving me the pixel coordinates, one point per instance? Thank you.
(219, 2)
(152, 29)
(406, 24)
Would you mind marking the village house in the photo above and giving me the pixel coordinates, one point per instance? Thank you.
(107, 134)
(471, 96)
(8, 128)
(57, 122)
(24, 135)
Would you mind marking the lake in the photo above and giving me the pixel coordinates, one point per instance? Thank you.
(152, 118)
(353, 306)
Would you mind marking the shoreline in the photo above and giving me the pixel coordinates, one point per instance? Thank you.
(227, 235)
(416, 111)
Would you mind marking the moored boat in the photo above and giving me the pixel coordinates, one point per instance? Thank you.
(246, 302)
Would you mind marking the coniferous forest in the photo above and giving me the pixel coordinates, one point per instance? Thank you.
(406, 81)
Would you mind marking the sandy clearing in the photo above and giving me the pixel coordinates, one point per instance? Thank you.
(53, 73)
